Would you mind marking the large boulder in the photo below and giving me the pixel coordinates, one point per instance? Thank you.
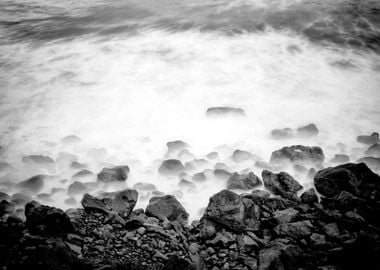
(227, 209)
(33, 184)
(243, 181)
(120, 202)
(357, 179)
(298, 154)
(167, 207)
(46, 220)
(114, 174)
(282, 184)
(171, 167)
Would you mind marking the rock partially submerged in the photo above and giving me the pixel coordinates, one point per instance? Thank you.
(33, 184)
(38, 160)
(220, 111)
(243, 181)
(309, 130)
(114, 174)
(171, 167)
(298, 154)
(369, 139)
(373, 150)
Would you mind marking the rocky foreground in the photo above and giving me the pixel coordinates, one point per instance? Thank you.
(257, 230)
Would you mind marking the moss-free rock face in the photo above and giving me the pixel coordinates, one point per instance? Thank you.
(357, 179)
(243, 181)
(167, 207)
(171, 167)
(226, 208)
(298, 154)
(33, 184)
(118, 173)
(369, 139)
(282, 184)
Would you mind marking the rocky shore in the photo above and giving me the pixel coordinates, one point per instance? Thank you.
(274, 229)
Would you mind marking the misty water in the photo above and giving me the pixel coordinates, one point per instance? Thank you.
(128, 76)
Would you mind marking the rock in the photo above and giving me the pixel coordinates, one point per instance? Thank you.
(285, 216)
(33, 184)
(357, 179)
(371, 139)
(70, 201)
(309, 197)
(312, 172)
(281, 184)
(207, 229)
(223, 238)
(144, 186)
(294, 230)
(82, 173)
(176, 263)
(6, 208)
(372, 162)
(194, 248)
(222, 173)
(117, 174)
(247, 243)
(46, 220)
(220, 111)
(4, 196)
(20, 198)
(331, 230)
(213, 155)
(200, 177)
(260, 194)
(269, 258)
(176, 145)
(77, 165)
(241, 155)
(284, 133)
(243, 181)
(167, 207)
(186, 184)
(307, 131)
(76, 188)
(317, 240)
(373, 150)
(298, 154)
(71, 139)
(339, 158)
(171, 167)
(226, 208)
(37, 159)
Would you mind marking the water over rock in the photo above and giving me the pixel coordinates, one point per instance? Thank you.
(309, 130)
(33, 184)
(298, 154)
(167, 207)
(243, 181)
(373, 150)
(220, 111)
(309, 197)
(38, 160)
(340, 158)
(114, 174)
(372, 162)
(241, 155)
(171, 167)
(368, 139)
(76, 188)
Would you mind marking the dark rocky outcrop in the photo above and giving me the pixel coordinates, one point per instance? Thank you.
(171, 167)
(167, 207)
(218, 111)
(368, 139)
(243, 181)
(309, 197)
(118, 173)
(298, 154)
(282, 184)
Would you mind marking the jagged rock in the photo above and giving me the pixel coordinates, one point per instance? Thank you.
(222, 173)
(331, 230)
(76, 188)
(38, 159)
(223, 238)
(357, 179)
(269, 258)
(285, 216)
(340, 158)
(118, 173)
(261, 194)
(219, 111)
(186, 184)
(309, 197)
(241, 155)
(33, 184)
(46, 220)
(281, 184)
(371, 139)
(144, 186)
(226, 208)
(247, 243)
(298, 154)
(6, 208)
(207, 229)
(294, 230)
(243, 181)
(167, 207)
(373, 150)
(171, 167)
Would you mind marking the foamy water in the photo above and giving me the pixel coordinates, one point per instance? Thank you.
(146, 73)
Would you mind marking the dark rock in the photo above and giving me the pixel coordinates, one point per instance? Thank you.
(218, 111)
(186, 184)
(261, 193)
(76, 188)
(176, 263)
(371, 139)
(171, 167)
(312, 172)
(33, 184)
(71, 139)
(6, 208)
(37, 159)
(309, 197)
(118, 173)
(243, 181)
(307, 131)
(4, 196)
(294, 230)
(46, 220)
(331, 230)
(298, 154)
(339, 158)
(144, 186)
(357, 179)
(373, 150)
(281, 184)
(167, 207)
(269, 258)
(241, 155)
(226, 208)
(207, 229)
(82, 173)
(285, 216)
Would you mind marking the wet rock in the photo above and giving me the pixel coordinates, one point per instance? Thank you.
(284, 133)
(176, 145)
(373, 150)
(213, 155)
(33, 184)
(285, 216)
(243, 181)
(222, 173)
(167, 207)
(294, 230)
(76, 188)
(298, 154)
(269, 258)
(71, 139)
(114, 174)
(175, 263)
(144, 186)
(307, 131)
(37, 159)
(186, 184)
(77, 165)
(372, 162)
(331, 230)
(207, 229)
(261, 194)
(309, 197)
(226, 208)
(281, 184)
(82, 173)
(199, 177)
(70, 201)
(223, 238)
(220, 111)
(4, 196)
(241, 155)
(6, 208)
(368, 139)
(357, 179)
(340, 158)
(46, 220)
(171, 167)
